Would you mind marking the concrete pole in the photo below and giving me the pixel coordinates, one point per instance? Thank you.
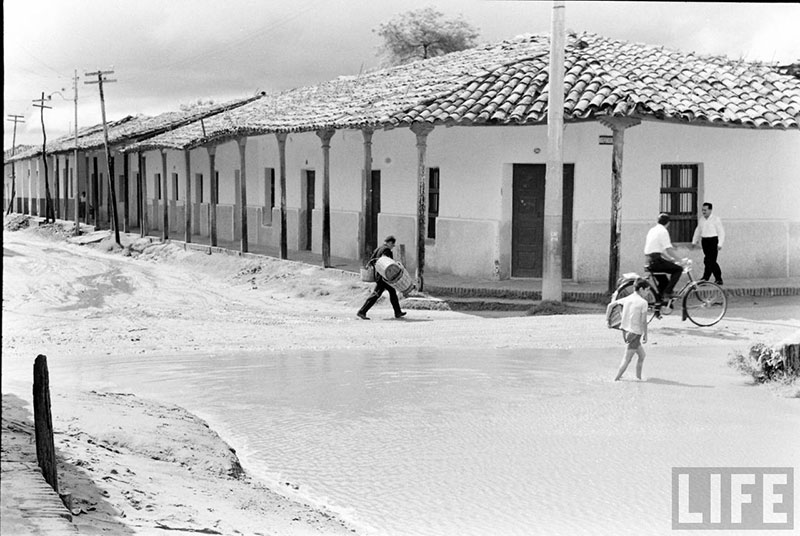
(554, 179)
(325, 136)
(281, 136)
(421, 130)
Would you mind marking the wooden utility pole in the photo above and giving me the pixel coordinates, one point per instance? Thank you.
(421, 130)
(325, 135)
(16, 119)
(113, 193)
(48, 206)
(554, 178)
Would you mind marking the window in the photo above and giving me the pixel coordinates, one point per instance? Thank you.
(216, 186)
(174, 186)
(269, 194)
(198, 180)
(157, 179)
(679, 184)
(433, 201)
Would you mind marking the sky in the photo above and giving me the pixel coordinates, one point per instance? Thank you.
(165, 53)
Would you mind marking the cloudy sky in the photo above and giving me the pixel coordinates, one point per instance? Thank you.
(168, 52)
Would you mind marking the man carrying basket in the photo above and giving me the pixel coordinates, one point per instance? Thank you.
(380, 282)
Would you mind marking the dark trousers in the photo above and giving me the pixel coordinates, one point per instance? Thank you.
(711, 250)
(380, 286)
(657, 263)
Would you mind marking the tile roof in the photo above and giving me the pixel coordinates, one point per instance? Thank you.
(506, 83)
(130, 129)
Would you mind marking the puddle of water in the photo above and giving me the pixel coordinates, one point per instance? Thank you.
(458, 441)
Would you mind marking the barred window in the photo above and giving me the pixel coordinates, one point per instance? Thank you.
(433, 201)
(679, 184)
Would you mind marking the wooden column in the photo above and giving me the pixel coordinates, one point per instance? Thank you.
(212, 181)
(242, 142)
(145, 212)
(189, 204)
(366, 244)
(421, 130)
(617, 126)
(164, 196)
(57, 186)
(126, 194)
(281, 136)
(325, 136)
(76, 192)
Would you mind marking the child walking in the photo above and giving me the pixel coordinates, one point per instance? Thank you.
(634, 327)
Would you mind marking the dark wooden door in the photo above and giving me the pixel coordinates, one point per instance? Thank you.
(310, 203)
(372, 239)
(527, 220)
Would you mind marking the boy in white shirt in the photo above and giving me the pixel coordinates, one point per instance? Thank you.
(634, 327)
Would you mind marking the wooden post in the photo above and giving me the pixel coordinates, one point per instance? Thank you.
(281, 136)
(43, 422)
(367, 246)
(242, 142)
(164, 196)
(421, 130)
(325, 136)
(212, 181)
(189, 204)
(145, 210)
(617, 126)
(57, 188)
(126, 181)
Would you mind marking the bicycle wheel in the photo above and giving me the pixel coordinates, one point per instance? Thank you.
(705, 303)
(626, 289)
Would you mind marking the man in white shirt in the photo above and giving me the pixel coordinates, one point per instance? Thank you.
(662, 257)
(710, 235)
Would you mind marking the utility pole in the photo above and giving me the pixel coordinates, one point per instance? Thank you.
(16, 119)
(554, 178)
(48, 204)
(100, 81)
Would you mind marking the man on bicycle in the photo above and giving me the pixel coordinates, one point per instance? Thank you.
(662, 257)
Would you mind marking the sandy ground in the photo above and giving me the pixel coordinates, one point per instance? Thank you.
(134, 465)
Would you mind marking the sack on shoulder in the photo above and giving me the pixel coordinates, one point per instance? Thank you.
(368, 274)
(614, 315)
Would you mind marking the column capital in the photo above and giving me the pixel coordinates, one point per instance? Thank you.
(325, 134)
(421, 129)
(619, 123)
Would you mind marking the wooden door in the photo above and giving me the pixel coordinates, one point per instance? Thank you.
(310, 203)
(375, 193)
(527, 220)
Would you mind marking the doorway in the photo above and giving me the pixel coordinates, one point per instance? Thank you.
(527, 220)
(310, 203)
(375, 209)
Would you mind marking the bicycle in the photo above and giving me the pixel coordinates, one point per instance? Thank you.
(702, 302)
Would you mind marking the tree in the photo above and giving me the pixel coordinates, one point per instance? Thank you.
(423, 33)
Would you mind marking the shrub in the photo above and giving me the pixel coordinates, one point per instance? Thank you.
(765, 363)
